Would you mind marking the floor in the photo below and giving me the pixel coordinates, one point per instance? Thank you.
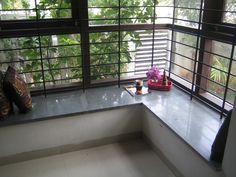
(128, 159)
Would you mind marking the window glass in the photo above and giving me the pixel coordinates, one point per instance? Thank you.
(24, 55)
(232, 84)
(230, 8)
(61, 58)
(183, 56)
(104, 55)
(131, 12)
(185, 16)
(234, 57)
(54, 9)
(187, 3)
(182, 72)
(221, 48)
(216, 70)
(230, 96)
(17, 9)
(164, 11)
(26, 9)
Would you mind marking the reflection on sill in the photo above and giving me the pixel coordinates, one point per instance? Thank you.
(216, 100)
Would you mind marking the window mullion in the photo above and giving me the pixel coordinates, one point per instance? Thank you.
(81, 20)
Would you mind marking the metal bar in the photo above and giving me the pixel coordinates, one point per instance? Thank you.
(196, 50)
(153, 30)
(66, 45)
(172, 36)
(185, 57)
(23, 9)
(181, 67)
(40, 50)
(229, 71)
(100, 7)
(119, 42)
(191, 21)
(203, 50)
(46, 58)
(52, 69)
(82, 17)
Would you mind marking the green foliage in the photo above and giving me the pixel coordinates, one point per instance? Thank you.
(216, 72)
(58, 8)
(107, 52)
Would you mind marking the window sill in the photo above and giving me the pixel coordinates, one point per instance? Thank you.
(195, 123)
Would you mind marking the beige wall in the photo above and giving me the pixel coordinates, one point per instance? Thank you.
(229, 160)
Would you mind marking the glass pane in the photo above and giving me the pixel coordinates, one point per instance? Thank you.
(103, 12)
(232, 82)
(25, 9)
(233, 68)
(142, 11)
(230, 96)
(190, 4)
(164, 11)
(221, 48)
(61, 58)
(24, 55)
(234, 57)
(189, 52)
(132, 12)
(104, 55)
(136, 15)
(230, 7)
(186, 39)
(184, 65)
(216, 89)
(54, 9)
(17, 9)
(187, 17)
(107, 3)
(217, 69)
(103, 16)
(104, 72)
(220, 65)
(164, 15)
(182, 72)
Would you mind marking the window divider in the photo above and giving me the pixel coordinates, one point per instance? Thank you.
(172, 37)
(228, 77)
(40, 50)
(119, 41)
(153, 30)
(196, 48)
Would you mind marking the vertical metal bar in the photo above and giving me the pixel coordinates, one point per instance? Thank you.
(153, 32)
(172, 36)
(196, 48)
(228, 77)
(81, 16)
(78, 20)
(40, 47)
(82, 59)
(119, 43)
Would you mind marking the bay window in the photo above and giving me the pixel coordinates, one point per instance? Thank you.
(68, 44)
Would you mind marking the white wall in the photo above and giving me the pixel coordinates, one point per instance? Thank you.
(73, 130)
(188, 162)
(229, 160)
